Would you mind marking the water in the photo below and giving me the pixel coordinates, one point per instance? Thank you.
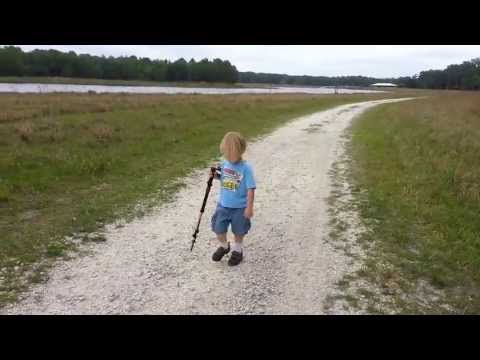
(70, 88)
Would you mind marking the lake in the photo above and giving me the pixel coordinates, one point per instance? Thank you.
(67, 88)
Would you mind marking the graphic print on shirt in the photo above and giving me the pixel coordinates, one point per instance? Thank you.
(231, 179)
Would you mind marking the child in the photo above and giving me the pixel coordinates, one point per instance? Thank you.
(235, 206)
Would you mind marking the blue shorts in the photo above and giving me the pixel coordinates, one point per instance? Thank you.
(224, 216)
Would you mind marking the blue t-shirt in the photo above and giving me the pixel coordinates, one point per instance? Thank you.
(235, 180)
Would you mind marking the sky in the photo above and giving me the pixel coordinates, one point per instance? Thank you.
(380, 61)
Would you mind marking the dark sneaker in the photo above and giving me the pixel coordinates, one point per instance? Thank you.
(220, 252)
(235, 258)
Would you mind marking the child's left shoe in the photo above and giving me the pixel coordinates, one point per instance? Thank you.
(220, 252)
(236, 258)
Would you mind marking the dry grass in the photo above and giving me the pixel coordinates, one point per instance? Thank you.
(102, 132)
(15, 107)
(24, 131)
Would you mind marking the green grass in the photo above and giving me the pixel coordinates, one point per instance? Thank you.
(419, 162)
(72, 162)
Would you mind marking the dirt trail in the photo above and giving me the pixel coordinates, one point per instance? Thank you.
(145, 267)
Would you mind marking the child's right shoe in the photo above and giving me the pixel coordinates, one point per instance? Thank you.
(220, 253)
(236, 258)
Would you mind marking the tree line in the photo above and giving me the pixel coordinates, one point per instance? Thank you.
(305, 80)
(15, 62)
(464, 76)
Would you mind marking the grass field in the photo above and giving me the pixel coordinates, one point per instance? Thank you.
(70, 163)
(420, 166)
(81, 81)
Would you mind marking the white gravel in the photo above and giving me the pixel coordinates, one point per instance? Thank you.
(146, 267)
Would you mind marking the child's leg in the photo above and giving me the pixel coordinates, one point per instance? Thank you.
(237, 251)
(240, 227)
(222, 238)
(220, 222)
(238, 244)
(223, 249)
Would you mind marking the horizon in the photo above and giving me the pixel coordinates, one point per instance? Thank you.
(322, 60)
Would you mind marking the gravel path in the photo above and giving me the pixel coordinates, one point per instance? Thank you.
(145, 267)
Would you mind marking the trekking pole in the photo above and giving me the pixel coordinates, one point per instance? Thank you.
(209, 185)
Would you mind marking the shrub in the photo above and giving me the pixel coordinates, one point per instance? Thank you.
(25, 131)
(102, 132)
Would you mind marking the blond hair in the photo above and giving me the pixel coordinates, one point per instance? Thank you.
(233, 145)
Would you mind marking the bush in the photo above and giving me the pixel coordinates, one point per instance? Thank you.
(4, 193)
(102, 132)
(25, 131)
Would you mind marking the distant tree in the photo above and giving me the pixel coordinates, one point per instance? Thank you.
(11, 61)
(177, 71)
(159, 70)
(15, 62)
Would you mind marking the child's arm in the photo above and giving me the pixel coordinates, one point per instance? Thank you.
(250, 198)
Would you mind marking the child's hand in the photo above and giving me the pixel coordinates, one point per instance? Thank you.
(248, 213)
(214, 170)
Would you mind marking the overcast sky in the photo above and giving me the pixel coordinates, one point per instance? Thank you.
(329, 60)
